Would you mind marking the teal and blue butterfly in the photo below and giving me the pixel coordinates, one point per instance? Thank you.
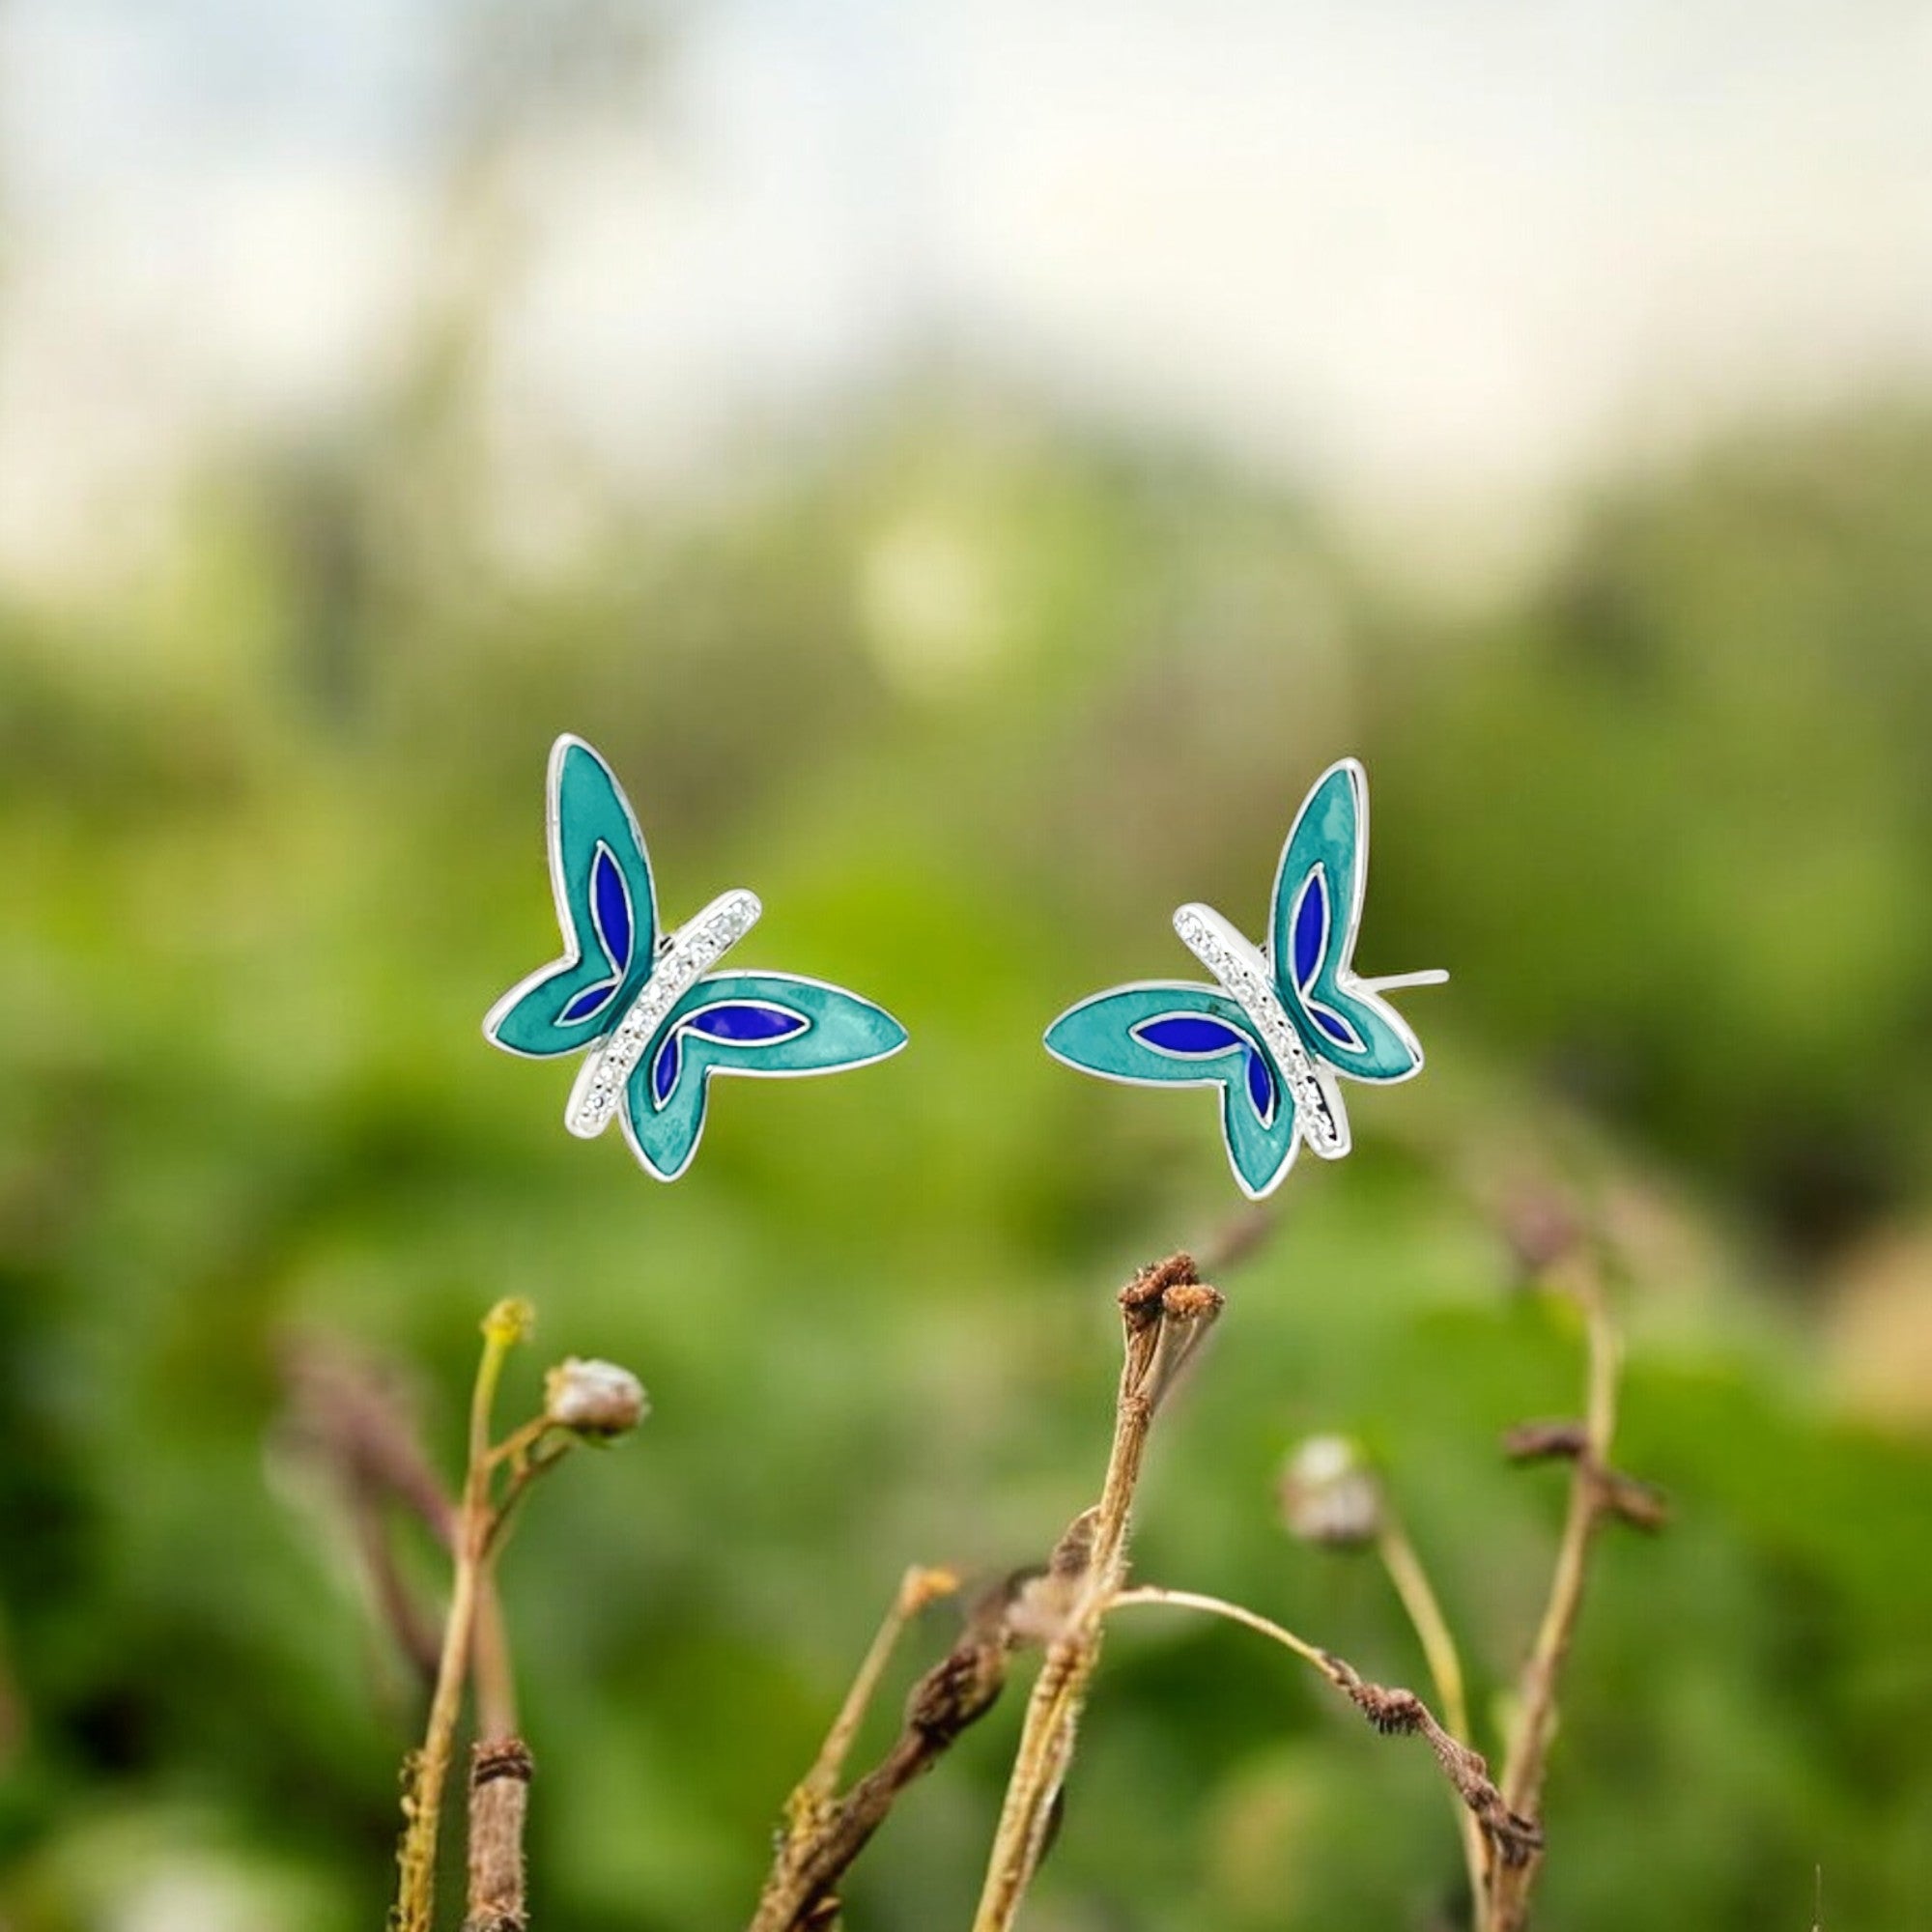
(653, 1023)
(1284, 1019)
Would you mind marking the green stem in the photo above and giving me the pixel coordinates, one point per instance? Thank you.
(429, 1768)
(1424, 1610)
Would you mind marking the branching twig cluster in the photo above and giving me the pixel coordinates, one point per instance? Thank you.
(825, 1831)
(1599, 1493)
(350, 1420)
(347, 1421)
(1061, 1609)
(1166, 1312)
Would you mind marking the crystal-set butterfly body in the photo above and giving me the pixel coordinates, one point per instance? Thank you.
(653, 1021)
(1284, 1020)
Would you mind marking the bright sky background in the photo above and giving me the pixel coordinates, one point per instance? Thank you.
(1438, 258)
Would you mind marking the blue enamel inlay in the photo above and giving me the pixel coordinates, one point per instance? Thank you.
(1334, 1027)
(589, 1001)
(612, 907)
(1311, 926)
(744, 1024)
(1261, 1086)
(1190, 1034)
(664, 1069)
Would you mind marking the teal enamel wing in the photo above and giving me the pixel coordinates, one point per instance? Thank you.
(653, 1023)
(1283, 1020)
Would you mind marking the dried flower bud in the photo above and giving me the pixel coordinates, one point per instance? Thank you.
(594, 1398)
(921, 1586)
(1039, 1607)
(1331, 1496)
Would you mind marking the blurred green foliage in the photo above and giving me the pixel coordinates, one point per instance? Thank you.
(973, 700)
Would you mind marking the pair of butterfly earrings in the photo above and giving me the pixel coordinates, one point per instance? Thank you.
(655, 1024)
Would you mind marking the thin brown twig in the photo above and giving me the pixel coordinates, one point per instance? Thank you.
(1394, 1713)
(395, 1604)
(1592, 1499)
(524, 1471)
(917, 1587)
(1239, 1236)
(824, 1834)
(1530, 1747)
(1166, 1311)
(349, 1417)
(352, 1415)
(1424, 1610)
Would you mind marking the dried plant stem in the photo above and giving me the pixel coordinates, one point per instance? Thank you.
(1239, 1238)
(917, 1587)
(1529, 1746)
(1166, 1310)
(410, 1624)
(1392, 1712)
(1593, 1496)
(496, 1682)
(1151, 1595)
(428, 1770)
(500, 1789)
(352, 1421)
(824, 1834)
(1419, 1602)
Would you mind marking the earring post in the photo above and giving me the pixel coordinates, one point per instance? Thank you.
(1433, 977)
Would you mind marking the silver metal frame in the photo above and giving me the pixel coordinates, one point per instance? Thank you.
(1255, 982)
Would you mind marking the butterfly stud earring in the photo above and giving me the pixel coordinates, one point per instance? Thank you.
(1284, 1019)
(653, 1023)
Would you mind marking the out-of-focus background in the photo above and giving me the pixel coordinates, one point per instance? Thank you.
(968, 466)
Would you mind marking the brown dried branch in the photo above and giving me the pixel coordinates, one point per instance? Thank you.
(1641, 1505)
(500, 1796)
(350, 1419)
(351, 1414)
(1397, 1713)
(917, 1587)
(1394, 1713)
(1239, 1236)
(1547, 1442)
(407, 1622)
(1166, 1312)
(1597, 1493)
(825, 1833)
(1417, 1595)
